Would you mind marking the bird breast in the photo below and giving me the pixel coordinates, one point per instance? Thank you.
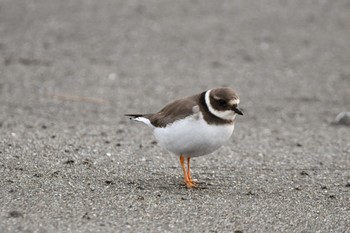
(193, 136)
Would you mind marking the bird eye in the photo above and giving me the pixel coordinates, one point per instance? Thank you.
(222, 102)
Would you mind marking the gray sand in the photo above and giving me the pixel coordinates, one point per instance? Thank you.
(70, 161)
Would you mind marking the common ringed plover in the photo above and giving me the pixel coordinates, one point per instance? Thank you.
(194, 126)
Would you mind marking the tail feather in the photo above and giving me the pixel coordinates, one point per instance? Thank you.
(132, 116)
(140, 117)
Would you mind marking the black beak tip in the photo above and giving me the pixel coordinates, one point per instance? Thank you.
(238, 111)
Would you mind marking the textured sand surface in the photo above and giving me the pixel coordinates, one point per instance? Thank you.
(70, 161)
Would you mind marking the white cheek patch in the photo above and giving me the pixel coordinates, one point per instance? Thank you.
(227, 115)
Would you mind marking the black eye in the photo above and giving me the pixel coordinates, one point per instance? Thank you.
(222, 102)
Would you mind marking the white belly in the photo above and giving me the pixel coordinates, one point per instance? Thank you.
(193, 137)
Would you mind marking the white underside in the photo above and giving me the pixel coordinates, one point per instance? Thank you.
(192, 136)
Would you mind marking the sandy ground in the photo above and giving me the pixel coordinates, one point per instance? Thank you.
(70, 161)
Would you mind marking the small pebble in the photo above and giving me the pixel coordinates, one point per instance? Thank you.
(112, 76)
(140, 198)
(343, 118)
(15, 214)
(69, 161)
(86, 216)
(108, 182)
(304, 173)
(250, 193)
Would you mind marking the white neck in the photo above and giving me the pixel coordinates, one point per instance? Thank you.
(226, 115)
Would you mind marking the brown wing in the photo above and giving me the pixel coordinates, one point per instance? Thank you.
(176, 110)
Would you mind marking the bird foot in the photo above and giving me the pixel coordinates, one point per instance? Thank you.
(191, 183)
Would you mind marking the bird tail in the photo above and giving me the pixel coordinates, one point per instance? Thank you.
(133, 116)
(140, 117)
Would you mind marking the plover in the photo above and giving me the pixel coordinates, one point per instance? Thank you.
(194, 126)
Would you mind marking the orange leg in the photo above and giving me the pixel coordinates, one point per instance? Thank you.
(188, 181)
(189, 172)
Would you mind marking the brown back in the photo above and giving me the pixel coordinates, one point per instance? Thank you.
(176, 110)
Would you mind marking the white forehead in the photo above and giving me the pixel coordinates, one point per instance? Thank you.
(232, 102)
